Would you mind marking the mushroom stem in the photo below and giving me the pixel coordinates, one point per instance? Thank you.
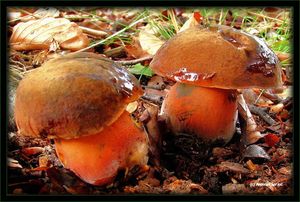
(97, 158)
(210, 113)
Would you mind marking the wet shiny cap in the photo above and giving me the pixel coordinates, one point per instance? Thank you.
(74, 95)
(218, 56)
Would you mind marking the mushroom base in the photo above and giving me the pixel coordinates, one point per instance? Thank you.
(209, 113)
(97, 158)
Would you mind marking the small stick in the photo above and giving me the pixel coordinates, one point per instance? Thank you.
(135, 61)
(266, 117)
(154, 87)
(273, 97)
(115, 52)
(156, 99)
(252, 135)
(264, 16)
(93, 32)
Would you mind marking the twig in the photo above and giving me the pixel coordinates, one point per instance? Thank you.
(135, 61)
(273, 97)
(154, 87)
(93, 31)
(156, 99)
(264, 16)
(115, 52)
(260, 94)
(265, 116)
(111, 36)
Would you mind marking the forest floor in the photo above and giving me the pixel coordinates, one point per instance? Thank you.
(131, 37)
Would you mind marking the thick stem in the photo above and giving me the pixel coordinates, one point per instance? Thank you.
(210, 113)
(97, 158)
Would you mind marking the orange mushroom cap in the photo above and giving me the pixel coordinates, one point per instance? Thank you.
(220, 57)
(74, 95)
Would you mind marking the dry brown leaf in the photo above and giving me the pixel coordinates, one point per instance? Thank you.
(149, 42)
(285, 170)
(255, 151)
(193, 21)
(234, 188)
(32, 150)
(276, 108)
(251, 165)
(41, 13)
(235, 167)
(252, 134)
(15, 15)
(39, 34)
(135, 49)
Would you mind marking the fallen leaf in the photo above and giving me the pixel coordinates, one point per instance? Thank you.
(287, 92)
(135, 49)
(32, 150)
(183, 187)
(234, 188)
(149, 42)
(276, 108)
(193, 21)
(154, 134)
(285, 170)
(44, 162)
(271, 139)
(251, 133)
(95, 24)
(140, 69)
(221, 152)
(251, 165)
(41, 13)
(235, 167)
(273, 12)
(13, 163)
(53, 46)
(39, 34)
(12, 16)
(255, 151)
(284, 114)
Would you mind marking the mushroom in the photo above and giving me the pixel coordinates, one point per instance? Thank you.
(209, 64)
(80, 100)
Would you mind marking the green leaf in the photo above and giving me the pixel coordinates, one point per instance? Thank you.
(140, 69)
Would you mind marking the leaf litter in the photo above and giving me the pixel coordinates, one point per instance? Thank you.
(178, 164)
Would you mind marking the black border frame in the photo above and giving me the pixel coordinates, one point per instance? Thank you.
(4, 49)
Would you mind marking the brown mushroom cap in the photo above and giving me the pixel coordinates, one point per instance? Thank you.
(74, 95)
(218, 56)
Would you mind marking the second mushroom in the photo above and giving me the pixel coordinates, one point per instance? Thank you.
(209, 64)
